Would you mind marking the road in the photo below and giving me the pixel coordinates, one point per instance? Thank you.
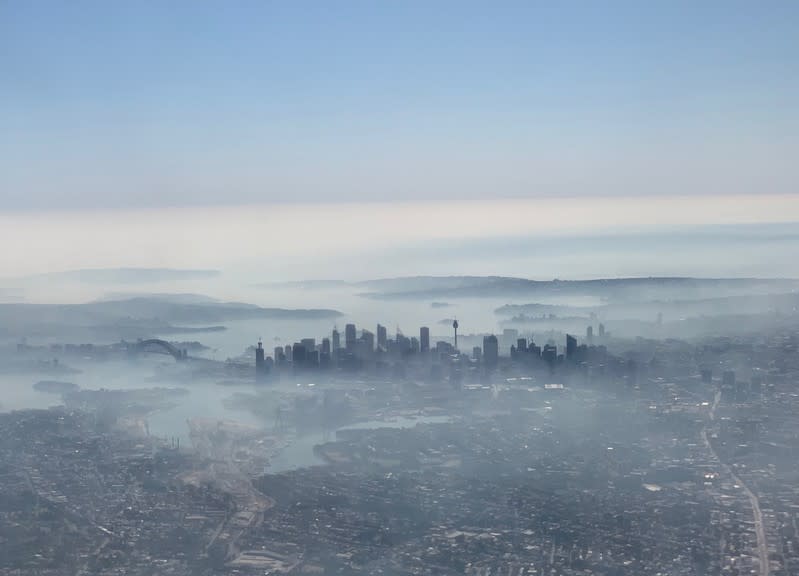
(220, 467)
(760, 531)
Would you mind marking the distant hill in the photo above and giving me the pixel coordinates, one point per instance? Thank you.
(644, 289)
(719, 305)
(306, 284)
(179, 298)
(173, 310)
(166, 309)
(132, 317)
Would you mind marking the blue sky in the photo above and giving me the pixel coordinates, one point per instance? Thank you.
(148, 104)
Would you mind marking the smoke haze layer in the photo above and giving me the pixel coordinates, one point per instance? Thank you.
(544, 238)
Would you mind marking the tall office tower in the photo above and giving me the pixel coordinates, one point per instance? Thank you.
(259, 355)
(382, 337)
(571, 346)
(280, 356)
(477, 353)
(298, 354)
(490, 351)
(260, 365)
(414, 345)
(521, 345)
(589, 334)
(288, 351)
(349, 337)
(336, 339)
(325, 356)
(368, 340)
(601, 330)
(424, 339)
(309, 343)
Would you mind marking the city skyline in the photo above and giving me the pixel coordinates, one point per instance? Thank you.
(446, 288)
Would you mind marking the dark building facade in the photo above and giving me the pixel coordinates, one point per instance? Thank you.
(261, 369)
(382, 337)
(571, 346)
(350, 337)
(424, 339)
(490, 351)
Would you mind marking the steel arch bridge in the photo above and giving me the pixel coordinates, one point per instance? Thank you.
(176, 353)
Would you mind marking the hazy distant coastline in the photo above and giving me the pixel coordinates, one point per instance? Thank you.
(139, 316)
(426, 287)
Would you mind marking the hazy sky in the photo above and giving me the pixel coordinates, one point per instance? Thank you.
(150, 103)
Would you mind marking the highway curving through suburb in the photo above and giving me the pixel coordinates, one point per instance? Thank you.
(760, 532)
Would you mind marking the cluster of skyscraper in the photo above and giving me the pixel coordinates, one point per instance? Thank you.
(355, 352)
(573, 354)
(375, 350)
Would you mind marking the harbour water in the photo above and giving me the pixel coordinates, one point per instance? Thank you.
(204, 399)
